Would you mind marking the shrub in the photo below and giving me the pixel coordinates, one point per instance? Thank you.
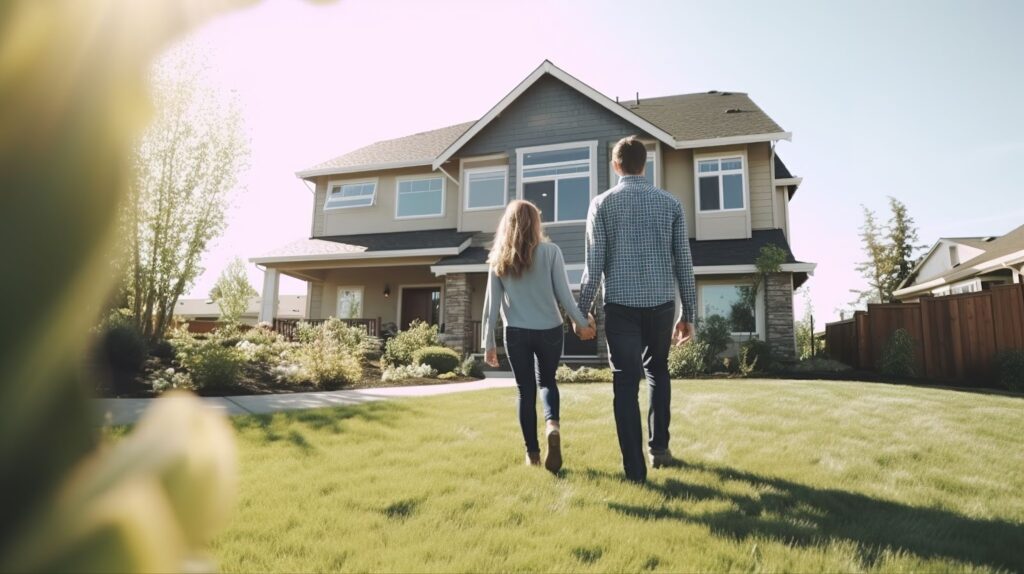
(212, 365)
(689, 360)
(898, 355)
(716, 334)
(448, 376)
(565, 374)
(755, 354)
(399, 349)
(441, 359)
(328, 363)
(287, 372)
(471, 367)
(353, 338)
(162, 349)
(1010, 369)
(121, 345)
(402, 372)
(167, 379)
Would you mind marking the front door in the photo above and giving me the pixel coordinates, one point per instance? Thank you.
(423, 303)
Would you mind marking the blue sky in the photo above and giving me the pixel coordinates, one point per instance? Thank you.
(919, 100)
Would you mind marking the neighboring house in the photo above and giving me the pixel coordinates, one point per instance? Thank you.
(965, 265)
(288, 307)
(403, 226)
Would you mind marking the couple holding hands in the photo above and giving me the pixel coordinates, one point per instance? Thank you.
(637, 247)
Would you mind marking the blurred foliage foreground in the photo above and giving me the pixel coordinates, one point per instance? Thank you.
(72, 102)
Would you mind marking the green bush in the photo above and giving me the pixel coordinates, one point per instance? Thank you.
(755, 355)
(399, 349)
(328, 363)
(212, 365)
(441, 359)
(716, 333)
(688, 360)
(403, 372)
(121, 346)
(898, 355)
(584, 374)
(471, 367)
(353, 338)
(1010, 369)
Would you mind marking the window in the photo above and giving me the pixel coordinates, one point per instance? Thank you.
(420, 197)
(730, 302)
(355, 194)
(350, 302)
(650, 171)
(558, 179)
(575, 276)
(720, 184)
(486, 188)
(954, 257)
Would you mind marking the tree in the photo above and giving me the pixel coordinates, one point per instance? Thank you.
(890, 252)
(186, 163)
(232, 291)
(806, 346)
(768, 261)
(902, 242)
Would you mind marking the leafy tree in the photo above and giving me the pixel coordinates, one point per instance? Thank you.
(890, 251)
(769, 261)
(186, 163)
(903, 243)
(232, 291)
(806, 345)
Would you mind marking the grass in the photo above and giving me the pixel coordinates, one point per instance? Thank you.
(779, 476)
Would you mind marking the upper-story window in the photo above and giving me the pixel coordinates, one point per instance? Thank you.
(486, 188)
(720, 184)
(342, 195)
(419, 197)
(559, 179)
(650, 170)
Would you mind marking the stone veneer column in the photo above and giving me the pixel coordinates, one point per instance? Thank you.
(779, 316)
(457, 330)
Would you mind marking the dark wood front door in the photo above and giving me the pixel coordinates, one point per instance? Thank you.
(423, 303)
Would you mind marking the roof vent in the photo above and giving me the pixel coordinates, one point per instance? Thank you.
(987, 239)
(733, 111)
(726, 94)
(713, 92)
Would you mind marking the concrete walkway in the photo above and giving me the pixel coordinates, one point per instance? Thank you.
(127, 411)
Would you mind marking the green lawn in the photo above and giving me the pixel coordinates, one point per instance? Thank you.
(778, 476)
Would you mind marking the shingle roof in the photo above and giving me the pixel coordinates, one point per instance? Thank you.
(289, 307)
(422, 147)
(371, 242)
(781, 171)
(705, 115)
(1008, 245)
(983, 243)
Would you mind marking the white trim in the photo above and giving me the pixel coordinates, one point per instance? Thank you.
(548, 68)
(401, 289)
(744, 174)
(337, 295)
(481, 158)
(592, 174)
(759, 304)
(441, 270)
(733, 140)
(421, 177)
(787, 181)
(440, 251)
(467, 172)
(353, 181)
(306, 174)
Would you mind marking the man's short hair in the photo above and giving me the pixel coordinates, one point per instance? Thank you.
(631, 154)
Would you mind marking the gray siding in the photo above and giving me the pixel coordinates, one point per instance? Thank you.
(570, 239)
(551, 112)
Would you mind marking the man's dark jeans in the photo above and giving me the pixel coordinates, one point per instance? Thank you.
(534, 355)
(638, 343)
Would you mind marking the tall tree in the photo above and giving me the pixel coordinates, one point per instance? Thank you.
(232, 291)
(878, 267)
(903, 243)
(186, 163)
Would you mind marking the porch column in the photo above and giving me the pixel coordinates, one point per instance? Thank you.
(778, 300)
(457, 317)
(268, 303)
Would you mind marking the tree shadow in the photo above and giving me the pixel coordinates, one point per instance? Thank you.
(289, 425)
(800, 515)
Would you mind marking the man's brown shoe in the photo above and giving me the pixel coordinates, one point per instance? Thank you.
(553, 460)
(661, 459)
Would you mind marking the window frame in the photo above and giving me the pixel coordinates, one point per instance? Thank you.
(343, 182)
(398, 195)
(734, 283)
(467, 172)
(575, 267)
(361, 289)
(592, 174)
(744, 174)
(655, 155)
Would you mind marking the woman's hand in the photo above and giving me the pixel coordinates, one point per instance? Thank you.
(491, 357)
(589, 332)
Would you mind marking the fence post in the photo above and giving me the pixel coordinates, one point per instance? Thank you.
(926, 338)
(863, 331)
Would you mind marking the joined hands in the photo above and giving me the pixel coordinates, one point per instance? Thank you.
(589, 332)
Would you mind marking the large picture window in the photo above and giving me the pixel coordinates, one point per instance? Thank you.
(559, 180)
(720, 184)
(350, 194)
(731, 302)
(486, 188)
(420, 197)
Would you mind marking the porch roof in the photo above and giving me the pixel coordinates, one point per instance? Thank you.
(439, 242)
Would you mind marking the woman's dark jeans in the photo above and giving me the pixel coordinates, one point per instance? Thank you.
(534, 355)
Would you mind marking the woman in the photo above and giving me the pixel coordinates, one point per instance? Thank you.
(527, 281)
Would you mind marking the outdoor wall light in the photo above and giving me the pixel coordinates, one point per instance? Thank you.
(387, 291)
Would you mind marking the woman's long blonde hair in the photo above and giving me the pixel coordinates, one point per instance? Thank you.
(516, 240)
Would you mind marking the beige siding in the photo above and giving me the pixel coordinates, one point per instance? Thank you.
(782, 209)
(380, 217)
(372, 280)
(677, 179)
(316, 297)
(759, 176)
(485, 220)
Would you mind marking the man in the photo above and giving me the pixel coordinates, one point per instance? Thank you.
(637, 241)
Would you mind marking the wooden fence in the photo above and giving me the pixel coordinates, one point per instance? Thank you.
(956, 337)
(287, 327)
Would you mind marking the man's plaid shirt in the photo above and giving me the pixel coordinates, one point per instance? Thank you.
(636, 239)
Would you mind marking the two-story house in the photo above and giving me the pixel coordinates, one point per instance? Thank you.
(401, 228)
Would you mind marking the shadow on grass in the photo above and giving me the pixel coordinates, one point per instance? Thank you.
(293, 426)
(800, 515)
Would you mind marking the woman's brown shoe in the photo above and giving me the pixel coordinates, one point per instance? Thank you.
(533, 459)
(553, 460)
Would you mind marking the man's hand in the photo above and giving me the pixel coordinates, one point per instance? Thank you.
(491, 357)
(586, 333)
(683, 333)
